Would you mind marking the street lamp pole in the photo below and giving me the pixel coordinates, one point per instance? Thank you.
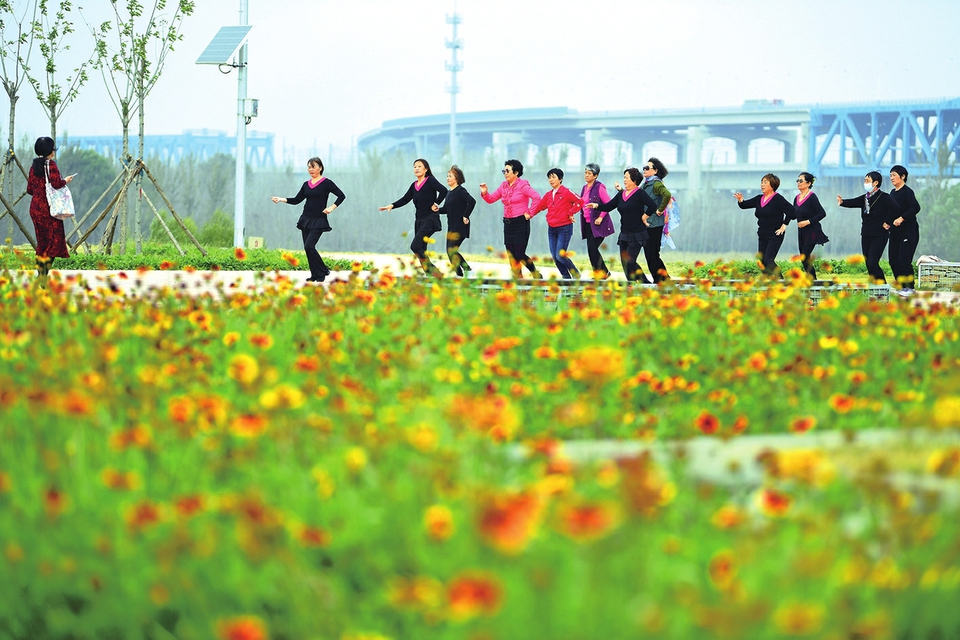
(239, 214)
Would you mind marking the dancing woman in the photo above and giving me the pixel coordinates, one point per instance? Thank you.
(313, 222)
(595, 226)
(457, 207)
(877, 212)
(562, 206)
(634, 205)
(808, 213)
(654, 172)
(773, 212)
(519, 202)
(905, 230)
(425, 192)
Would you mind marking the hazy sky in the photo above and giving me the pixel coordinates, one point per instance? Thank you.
(327, 71)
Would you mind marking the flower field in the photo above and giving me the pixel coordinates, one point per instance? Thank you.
(394, 458)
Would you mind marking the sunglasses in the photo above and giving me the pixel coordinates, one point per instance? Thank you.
(506, 171)
(800, 181)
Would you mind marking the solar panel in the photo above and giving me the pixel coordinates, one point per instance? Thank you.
(224, 45)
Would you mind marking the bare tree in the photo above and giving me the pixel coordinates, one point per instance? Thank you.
(51, 29)
(16, 45)
(132, 49)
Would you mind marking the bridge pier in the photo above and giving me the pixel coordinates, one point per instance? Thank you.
(694, 154)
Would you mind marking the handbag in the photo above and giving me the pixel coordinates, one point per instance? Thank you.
(60, 200)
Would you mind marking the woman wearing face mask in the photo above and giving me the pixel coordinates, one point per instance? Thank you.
(773, 212)
(425, 192)
(654, 172)
(457, 207)
(809, 213)
(877, 213)
(519, 202)
(595, 225)
(904, 232)
(562, 206)
(634, 205)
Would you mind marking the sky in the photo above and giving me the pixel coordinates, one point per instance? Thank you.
(327, 71)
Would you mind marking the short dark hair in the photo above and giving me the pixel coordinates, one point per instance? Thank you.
(773, 180)
(457, 174)
(634, 174)
(808, 177)
(556, 172)
(901, 171)
(875, 177)
(659, 168)
(515, 165)
(426, 165)
(317, 161)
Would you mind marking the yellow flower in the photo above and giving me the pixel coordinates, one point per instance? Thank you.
(243, 368)
(356, 459)
(438, 521)
(799, 619)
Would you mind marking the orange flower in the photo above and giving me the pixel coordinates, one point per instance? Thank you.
(740, 424)
(54, 502)
(493, 414)
(314, 537)
(773, 503)
(248, 426)
(5, 483)
(841, 402)
(142, 515)
(77, 403)
(307, 364)
(802, 425)
(120, 481)
(243, 368)
(239, 253)
(508, 521)
(291, 259)
(707, 423)
(597, 365)
(166, 265)
(438, 521)
(644, 485)
(261, 340)
(417, 593)
(242, 627)
(722, 569)
(473, 593)
(799, 619)
(758, 361)
(728, 517)
(138, 436)
(588, 522)
(181, 409)
(188, 506)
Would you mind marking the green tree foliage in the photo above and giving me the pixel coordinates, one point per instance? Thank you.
(159, 236)
(94, 175)
(217, 231)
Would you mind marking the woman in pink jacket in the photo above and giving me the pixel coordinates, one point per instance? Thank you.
(519, 202)
(562, 206)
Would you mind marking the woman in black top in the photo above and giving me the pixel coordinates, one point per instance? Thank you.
(634, 206)
(877, 212)
(808, 214)
(425, 192)
(313, 222)
(905, 231)
(457, 207)
(773, 212)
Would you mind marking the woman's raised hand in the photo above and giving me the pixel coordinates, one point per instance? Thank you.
(389, 207)
(483, 188)
(276, 199)
(738, 196)
(839, 199)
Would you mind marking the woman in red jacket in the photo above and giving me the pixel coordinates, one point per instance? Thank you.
(562, 206)
(51, 240)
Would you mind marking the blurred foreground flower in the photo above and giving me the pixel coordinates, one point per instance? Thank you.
(242, 628)
(239, 253)
(474, 593)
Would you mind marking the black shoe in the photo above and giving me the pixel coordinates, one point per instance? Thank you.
(460, 271)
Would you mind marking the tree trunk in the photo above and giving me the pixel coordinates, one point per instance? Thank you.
(8, 160)
(125, 161)
(141, 94)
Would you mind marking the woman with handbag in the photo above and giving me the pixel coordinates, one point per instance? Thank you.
(51, 240)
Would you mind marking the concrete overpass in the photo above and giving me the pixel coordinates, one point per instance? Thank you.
(719, 148)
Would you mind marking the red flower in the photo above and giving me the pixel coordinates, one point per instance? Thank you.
(802, 425)
(841, 402)
(314, 537)
(508, 521)
(474, 593)
(239, 253)
(707, 423)
(242, 628)
(143, 515)
(587, 522)
(773, 503)
(188, 506)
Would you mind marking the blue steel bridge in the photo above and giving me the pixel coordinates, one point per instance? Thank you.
(719, 148)
(201, 144)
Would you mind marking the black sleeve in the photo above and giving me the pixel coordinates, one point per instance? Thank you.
(893, 209)
(649, 206)
(440, 189)
(470, 201)
(787, 209)
(817, 208)
(297, 199)
(752, 203)
(610, 204)
(854, 203)
(911, 207)
(335, 190)
(407, 197)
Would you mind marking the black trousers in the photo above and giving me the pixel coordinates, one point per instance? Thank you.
(318, 269)
(651, 250)
(872, 247)
(516, 237)
(767, 249)
(596, 260)
(903, 246)
(453, 253)
(422, 229)
(806, 250)
(629, 252)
